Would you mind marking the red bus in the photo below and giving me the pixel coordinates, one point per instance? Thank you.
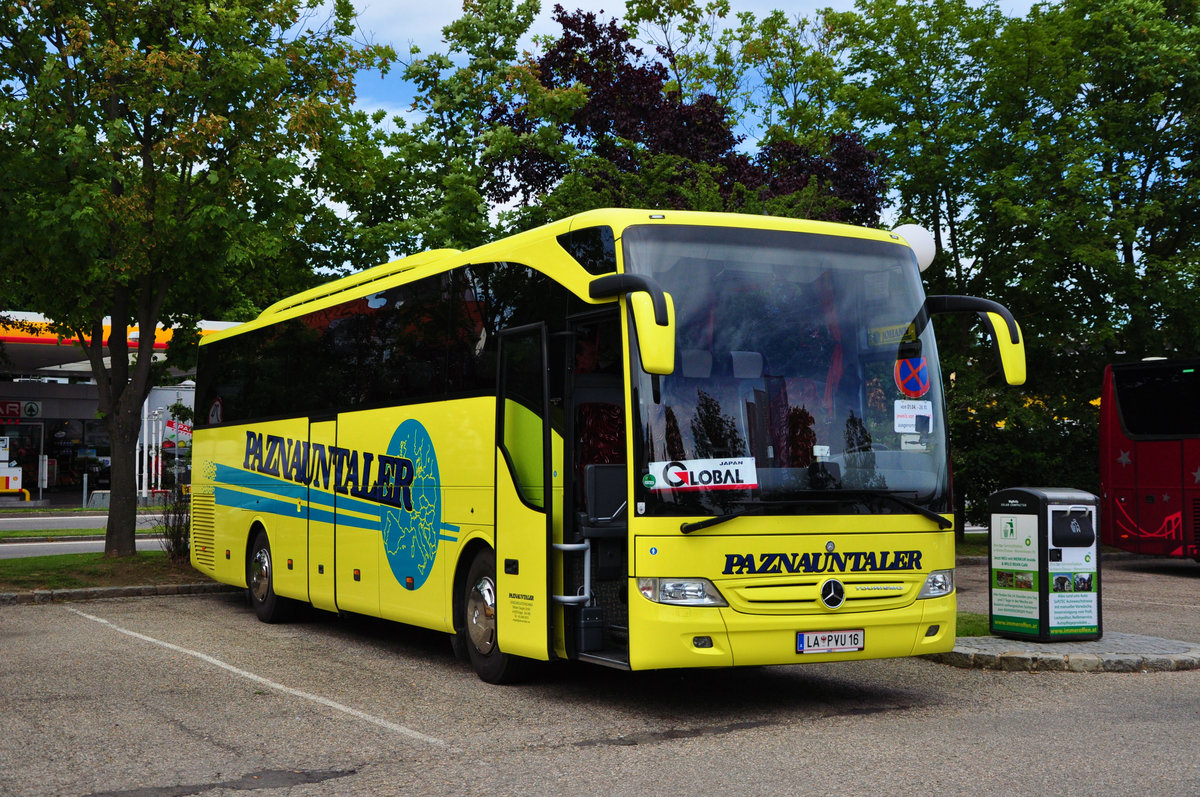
(1150, 457)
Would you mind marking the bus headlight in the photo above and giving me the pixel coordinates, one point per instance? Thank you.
(681, 591)
(938, 584)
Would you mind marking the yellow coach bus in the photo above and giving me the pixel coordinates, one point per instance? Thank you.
(633, 438)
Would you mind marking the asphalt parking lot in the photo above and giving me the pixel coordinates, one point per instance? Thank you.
(173, 695)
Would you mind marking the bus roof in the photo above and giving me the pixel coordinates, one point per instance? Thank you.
(537, 248)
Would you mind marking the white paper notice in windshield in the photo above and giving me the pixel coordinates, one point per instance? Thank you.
(914, 417)
(737, 473)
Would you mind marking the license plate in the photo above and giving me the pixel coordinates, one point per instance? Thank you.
(830, 641)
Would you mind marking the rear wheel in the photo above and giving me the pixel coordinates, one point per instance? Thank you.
(260, 584)
(478, 625)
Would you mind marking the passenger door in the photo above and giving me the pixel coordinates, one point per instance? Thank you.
(525, 495)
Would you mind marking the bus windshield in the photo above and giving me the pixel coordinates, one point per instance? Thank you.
(805, 378)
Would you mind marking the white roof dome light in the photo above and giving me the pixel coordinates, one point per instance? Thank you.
(920, 240)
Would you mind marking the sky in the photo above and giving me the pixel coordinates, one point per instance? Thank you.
(402, 23)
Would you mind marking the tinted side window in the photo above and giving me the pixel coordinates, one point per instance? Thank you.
(254, 375)
(428, 340)
(594, 248)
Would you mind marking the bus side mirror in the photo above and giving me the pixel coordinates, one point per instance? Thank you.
(653, 317)
(656, 342)
(1012, 353)
(1000, 324)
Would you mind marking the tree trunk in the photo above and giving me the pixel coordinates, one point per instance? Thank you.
(120, 538)
(122, 386)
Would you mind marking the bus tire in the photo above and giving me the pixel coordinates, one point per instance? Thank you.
(260, 584)
(479, 608)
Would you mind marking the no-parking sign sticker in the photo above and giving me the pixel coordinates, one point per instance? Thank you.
(912, 376)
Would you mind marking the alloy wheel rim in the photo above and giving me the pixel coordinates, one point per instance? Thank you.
(260, 574)
(481, 615)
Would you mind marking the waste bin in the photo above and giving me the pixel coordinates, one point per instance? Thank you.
(1044, 559)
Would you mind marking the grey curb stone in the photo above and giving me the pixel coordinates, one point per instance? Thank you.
(96, 593)
(1114, 652)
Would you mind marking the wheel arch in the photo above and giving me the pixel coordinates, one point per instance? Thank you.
(465, 557)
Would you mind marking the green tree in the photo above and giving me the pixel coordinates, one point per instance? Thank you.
(636, 139)
(162, 161)
(448, 166)
(1094, 117)
(692, 43)
(641, 179)
(780, 77)
(1082, 210)
(1054, 156)
(796, 68)
(916, 72)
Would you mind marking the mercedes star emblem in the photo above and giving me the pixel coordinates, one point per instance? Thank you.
(833, 593)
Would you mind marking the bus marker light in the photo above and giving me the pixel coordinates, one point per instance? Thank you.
(289, 564)
(226, 553)
(408, 582)
(357, 574)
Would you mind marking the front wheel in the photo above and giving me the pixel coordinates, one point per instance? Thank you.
(479, 625)
(260, 584)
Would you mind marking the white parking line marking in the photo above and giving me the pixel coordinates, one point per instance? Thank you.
(287, 690)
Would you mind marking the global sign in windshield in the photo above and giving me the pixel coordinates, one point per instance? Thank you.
(700, 474)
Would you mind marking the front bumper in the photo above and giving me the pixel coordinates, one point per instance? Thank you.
(663, 636)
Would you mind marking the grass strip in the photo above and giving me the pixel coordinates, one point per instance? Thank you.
(14, 508)
(41, 534)
(972, 624)
(82, 570)
(973, 543)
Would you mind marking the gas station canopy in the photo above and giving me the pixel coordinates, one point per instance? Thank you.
(31, 349)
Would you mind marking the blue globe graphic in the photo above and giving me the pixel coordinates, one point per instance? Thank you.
(411, 538)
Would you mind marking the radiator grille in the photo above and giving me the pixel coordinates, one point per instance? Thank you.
(803, 595)
(204, 530)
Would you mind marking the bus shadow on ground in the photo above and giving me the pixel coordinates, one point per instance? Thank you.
(739, 698)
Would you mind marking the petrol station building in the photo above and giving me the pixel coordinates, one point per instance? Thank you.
(51, 440)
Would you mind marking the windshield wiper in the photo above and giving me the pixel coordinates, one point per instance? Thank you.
(688, 528)
(819, 497)
(895, 499)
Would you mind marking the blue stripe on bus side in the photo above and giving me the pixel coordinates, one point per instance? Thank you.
(237, 477)
(226, 496)
(244, 479)
(289, 497)
(236, 499)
